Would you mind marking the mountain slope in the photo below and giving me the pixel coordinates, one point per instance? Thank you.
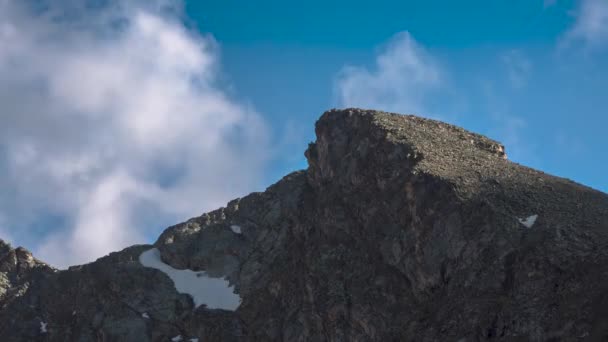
(402, 228)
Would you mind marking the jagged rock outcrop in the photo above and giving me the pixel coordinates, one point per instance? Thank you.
(18, 268)
(401, 229)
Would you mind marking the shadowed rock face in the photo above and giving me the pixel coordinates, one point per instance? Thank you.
(401, 229)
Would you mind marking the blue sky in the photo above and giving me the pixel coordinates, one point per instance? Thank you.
(122, 117)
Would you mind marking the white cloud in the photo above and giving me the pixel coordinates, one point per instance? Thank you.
(518, 67)
(111, 117)
(402, 76)
(591, 26)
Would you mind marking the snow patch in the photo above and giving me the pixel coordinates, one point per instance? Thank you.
(529, 221)
(43, 328)
(145, 315)
(177, 338)
(194, 340)
(216, 293)
(236, 229)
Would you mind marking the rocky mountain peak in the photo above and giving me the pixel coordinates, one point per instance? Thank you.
(401, 229)
(353, 142)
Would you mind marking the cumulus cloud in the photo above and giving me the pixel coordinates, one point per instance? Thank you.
(399, 82)
(591, 26)
(113, 118)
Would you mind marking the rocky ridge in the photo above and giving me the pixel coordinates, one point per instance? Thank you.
(401, 229)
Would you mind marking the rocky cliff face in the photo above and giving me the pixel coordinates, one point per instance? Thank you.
(401, 229)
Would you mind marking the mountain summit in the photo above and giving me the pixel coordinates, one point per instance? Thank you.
(401, 229)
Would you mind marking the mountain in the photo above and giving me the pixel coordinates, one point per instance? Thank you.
(401, 229)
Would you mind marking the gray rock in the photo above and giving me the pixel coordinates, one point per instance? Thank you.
(401, 229)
